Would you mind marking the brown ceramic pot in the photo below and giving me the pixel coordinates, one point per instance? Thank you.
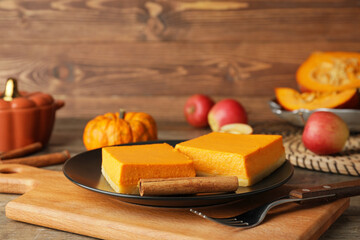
(25, 118)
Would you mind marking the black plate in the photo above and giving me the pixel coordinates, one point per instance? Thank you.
(84, 170)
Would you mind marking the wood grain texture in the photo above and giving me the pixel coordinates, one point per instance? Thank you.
(156, 77)
(162, 108)
(169, 50)
(188, 20)
(168, 68)
(67, 135)
(93, 214)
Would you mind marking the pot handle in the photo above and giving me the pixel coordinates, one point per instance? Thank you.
(59, 104)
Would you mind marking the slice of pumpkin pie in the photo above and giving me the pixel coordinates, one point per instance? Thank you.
(123, 166)
(249, 157)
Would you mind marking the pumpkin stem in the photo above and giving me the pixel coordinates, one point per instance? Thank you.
(11, 90)
(122, 113)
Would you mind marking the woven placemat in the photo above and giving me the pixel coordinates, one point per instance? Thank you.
(346, 163)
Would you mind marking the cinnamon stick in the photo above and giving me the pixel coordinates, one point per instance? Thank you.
(41, 160)
(189, 185)
(20, 152)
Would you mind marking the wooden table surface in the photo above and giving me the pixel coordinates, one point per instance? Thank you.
(68, 135)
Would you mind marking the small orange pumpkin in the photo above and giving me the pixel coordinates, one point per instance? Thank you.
(291, 99)
(119, 128)
(329, 71)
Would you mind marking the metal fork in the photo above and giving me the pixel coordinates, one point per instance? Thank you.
(255, 216)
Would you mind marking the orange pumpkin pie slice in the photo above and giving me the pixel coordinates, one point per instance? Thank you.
(249, 157)
(124, 166)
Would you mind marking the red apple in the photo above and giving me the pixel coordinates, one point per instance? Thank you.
(196, 110)
(225, 112)
(325, 133)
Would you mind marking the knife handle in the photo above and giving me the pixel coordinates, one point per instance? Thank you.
(339, 190)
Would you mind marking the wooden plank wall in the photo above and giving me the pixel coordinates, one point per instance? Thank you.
(101, 55)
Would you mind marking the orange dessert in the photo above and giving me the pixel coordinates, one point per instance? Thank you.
(123, 166)
(249, 157)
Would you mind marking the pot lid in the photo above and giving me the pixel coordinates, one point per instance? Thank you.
(13, 98)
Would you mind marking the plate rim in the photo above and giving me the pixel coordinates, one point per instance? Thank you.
(220, 196)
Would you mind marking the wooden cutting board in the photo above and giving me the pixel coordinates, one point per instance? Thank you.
(49, 199)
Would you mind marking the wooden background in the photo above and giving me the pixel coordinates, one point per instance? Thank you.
(102, 55)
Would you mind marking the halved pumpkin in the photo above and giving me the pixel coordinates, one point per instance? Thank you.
(291, 99)
(329, 71)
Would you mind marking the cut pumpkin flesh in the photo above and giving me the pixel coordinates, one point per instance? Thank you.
(291, 99)
(329, 71)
